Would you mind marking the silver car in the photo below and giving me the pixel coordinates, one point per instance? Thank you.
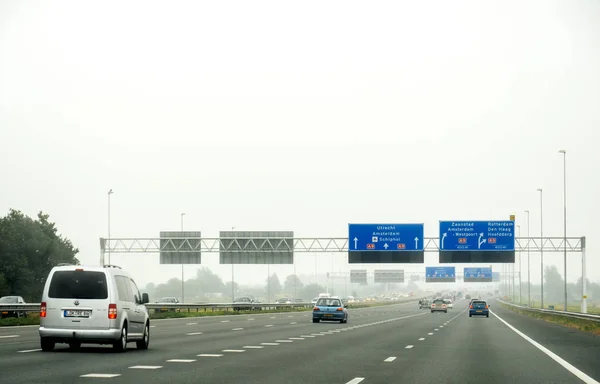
(97, 305)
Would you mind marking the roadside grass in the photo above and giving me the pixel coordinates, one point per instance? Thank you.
(33, 318)
(579, 324)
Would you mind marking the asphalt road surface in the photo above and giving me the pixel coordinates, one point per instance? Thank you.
(389, 344)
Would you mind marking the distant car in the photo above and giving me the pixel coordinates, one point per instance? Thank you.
(468, 297)
(167, 300)
(283, 300)
(246, 304)
(330, 309)
(12, 300)
(448, 303)
(424, 304)
(438, 305)
(479, 308)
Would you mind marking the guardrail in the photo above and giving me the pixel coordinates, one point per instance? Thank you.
(182, 307)
(197, 307)
(574, 315)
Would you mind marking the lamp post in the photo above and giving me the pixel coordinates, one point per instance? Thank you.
(564, 153)
(528, 264)
(520, 269)
(540, 190)
(180, 255)
(109, 193)
(232, 276)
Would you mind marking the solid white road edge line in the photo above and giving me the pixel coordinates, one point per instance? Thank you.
(585, 378)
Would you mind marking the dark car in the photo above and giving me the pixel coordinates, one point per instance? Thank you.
(246, 303)
(329, 308)
(424, 303)
(12, 300)
(479, 308)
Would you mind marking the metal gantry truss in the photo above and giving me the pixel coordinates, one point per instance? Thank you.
(302, 244)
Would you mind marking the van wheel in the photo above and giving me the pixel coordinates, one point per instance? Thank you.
(145, 342)
(121, 344)
(47, 344)
(74, 344)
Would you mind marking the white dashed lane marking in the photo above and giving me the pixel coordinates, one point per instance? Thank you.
(269, 343)
(191, 323)
(237, 329)
(421, 339)
(234, 350)
(253, 346)
(101, 375)
(181, 361)
(356, 380)
(194, 333)
(224, 321)
(390, 359)
(296, 338)
(293, 322)
(209, 355)
(146, 367)
(284, 341)
(430, 333)
(409, 346)
(269, 325)
(29, 350)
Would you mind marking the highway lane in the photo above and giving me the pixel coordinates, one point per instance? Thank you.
(173, 339)
(396, 343)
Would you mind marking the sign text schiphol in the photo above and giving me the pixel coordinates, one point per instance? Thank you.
(477, 235)
(385, 237)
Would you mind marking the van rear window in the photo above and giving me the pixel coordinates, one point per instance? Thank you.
(78, 285)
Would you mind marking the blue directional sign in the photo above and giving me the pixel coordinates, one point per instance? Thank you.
(385, 237)
(440, 274)
(477, 235)
(478, 275)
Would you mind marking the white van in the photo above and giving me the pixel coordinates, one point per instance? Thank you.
(96, 305)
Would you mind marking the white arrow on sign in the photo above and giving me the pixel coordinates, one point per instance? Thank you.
(443, 237)
(480, 240)
(356, 243)
(385, 245)
(416, 243)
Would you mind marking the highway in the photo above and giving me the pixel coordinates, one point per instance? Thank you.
(387, 344)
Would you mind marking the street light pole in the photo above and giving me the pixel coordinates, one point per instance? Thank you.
(528, 265)
(520, 269)
(564, 153)
(540, 190)
(232, 277)
(181, 256)
(109, 193)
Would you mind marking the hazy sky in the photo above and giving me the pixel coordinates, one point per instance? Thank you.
(304, 116)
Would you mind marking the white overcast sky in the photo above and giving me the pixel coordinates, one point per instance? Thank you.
(304, 116)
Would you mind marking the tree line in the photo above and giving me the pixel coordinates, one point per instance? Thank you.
(29, 248)
(208, 286)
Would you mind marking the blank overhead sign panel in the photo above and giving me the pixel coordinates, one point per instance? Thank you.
(478, 275)
(477, 241)
(256, 247)
(440, 275)
(180, 247)
(389, 276)
(385, 243)
(358, 276)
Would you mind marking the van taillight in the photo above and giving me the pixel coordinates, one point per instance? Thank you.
(112, 311)
(43, 309)
(315, 308)
(471, 306)
(486, 307)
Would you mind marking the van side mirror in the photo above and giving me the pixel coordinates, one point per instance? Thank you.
(145, 298)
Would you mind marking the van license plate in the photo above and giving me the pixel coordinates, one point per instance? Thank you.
(70, 313)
